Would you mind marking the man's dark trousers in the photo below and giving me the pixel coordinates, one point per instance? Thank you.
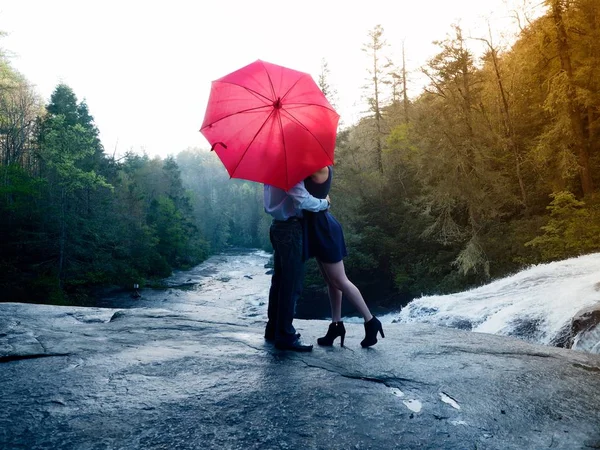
(288, 274)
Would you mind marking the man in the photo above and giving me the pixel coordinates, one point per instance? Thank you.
(288, 272)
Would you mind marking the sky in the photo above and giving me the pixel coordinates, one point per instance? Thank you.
(145, 67)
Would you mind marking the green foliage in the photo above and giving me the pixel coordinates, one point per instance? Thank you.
(466, 178)
(62, 147)
(72, 219)
(229, 212)
(472, 258)
(20, 187)
(573, 228)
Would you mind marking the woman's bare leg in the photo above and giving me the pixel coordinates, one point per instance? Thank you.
(335, 296)
(335, 275)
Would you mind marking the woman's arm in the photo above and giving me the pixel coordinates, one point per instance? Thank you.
(303, 200)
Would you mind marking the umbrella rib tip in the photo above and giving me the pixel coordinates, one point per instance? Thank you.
(217, 143)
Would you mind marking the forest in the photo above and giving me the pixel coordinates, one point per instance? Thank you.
(492, 167)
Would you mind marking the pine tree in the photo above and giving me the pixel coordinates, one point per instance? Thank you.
(65, 143)
(374, 48)
(323, 83)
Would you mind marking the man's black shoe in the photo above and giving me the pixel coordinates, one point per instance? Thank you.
(295, 346)
(271, 336)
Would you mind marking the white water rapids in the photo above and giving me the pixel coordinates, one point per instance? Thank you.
(536, 304)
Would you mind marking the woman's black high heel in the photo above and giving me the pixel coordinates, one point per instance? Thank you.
(335, 329)
(372, 327)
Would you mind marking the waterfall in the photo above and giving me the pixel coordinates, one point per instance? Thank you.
(536, 304)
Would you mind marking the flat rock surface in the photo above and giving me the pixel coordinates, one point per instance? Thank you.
(85, 378)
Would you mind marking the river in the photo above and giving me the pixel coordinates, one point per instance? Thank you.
(536, 304)
(237, 282)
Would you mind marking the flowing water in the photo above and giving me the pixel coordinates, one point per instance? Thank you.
(236, 281)
(536, 304)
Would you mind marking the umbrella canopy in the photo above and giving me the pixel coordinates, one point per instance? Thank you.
(270, 124)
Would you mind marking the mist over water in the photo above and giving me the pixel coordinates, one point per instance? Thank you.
(536, 304)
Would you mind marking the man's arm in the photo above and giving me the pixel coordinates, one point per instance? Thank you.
(303, 200)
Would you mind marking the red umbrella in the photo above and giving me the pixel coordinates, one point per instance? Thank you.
(270, 124)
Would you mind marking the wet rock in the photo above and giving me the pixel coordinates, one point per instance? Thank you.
(585, 329)
(563, 338)
(270, 263)
(153, 378)
(525, 327)
(586, 319)
(117, 315)
(461, 324)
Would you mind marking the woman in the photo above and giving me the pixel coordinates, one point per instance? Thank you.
(324, 240)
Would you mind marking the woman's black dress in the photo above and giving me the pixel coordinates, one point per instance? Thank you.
(323, 235)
